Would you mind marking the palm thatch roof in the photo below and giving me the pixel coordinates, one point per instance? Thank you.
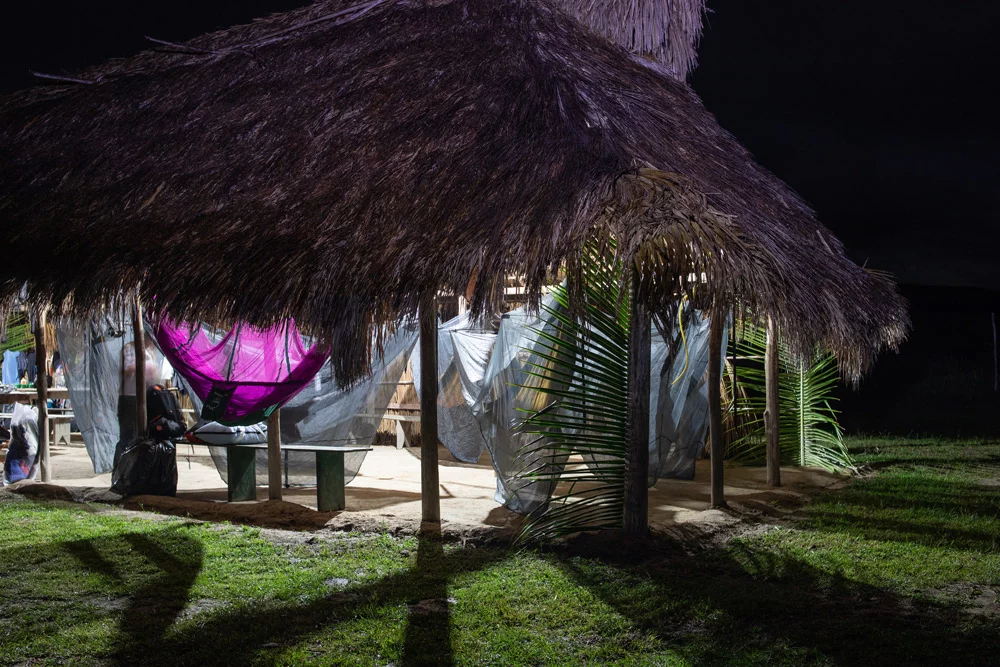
(337, 162)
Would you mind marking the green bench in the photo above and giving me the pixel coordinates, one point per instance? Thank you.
(242, 469)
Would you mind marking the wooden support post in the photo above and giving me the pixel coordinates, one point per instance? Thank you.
(636, 514)
(139, 343)
(718, 497)
(274, 455)
(429, 486)
(42, 389)
(772, 410)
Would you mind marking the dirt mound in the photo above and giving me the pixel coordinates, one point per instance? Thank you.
(269, 514)
(32, 489)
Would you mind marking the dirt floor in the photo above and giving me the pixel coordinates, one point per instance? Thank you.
(385, 496)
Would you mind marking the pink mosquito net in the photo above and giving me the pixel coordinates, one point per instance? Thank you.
(243, 375)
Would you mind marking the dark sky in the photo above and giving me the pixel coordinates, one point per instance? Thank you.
(880, 112)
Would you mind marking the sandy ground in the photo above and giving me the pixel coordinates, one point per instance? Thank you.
(386, 496)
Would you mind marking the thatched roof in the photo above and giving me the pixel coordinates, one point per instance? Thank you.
(336, 162)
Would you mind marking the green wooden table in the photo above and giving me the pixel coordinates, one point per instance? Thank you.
(242, 469)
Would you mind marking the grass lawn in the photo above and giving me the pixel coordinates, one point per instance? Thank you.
(901, 567)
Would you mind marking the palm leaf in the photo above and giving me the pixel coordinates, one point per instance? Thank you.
(809, 432)
(581, 370)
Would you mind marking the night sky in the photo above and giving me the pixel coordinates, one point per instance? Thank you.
(880, 114)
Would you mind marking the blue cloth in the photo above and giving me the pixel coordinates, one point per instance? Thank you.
(10, 367)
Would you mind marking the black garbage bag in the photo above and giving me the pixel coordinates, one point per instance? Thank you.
(146, 467)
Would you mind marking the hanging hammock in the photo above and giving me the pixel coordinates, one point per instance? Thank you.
(244, 375)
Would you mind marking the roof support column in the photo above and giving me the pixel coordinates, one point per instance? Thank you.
(42, 389)
(429, 486)
(718, 323)
(772, 409)
(274, 455)
(139, 343)
(636, 507)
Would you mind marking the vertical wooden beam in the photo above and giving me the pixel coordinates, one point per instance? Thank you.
(718, 497)
(42, 389)
(636, 507)
(139, 343)
(429, 485)
(772, 410)
(274, 455)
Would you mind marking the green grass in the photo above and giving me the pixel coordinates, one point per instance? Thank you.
(897, 568)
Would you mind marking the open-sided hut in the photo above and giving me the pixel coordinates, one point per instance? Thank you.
(338, 163)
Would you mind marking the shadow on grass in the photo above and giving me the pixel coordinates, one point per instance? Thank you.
(237, 636)
(166, 565)
(739, 605)
(714, 611)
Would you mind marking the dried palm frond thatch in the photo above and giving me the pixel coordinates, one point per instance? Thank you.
(335, 163)
(667, 31)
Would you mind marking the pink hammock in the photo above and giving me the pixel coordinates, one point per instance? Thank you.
(246, 374)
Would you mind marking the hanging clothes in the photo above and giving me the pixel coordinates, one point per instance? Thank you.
(10, 374)
(30, 363)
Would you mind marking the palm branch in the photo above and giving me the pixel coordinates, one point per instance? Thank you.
(809, 432)
(578, 438)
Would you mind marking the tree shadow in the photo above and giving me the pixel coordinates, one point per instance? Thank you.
(427, 640)
(237, 636)
(155, 606)
(761, 607)
(168, 562)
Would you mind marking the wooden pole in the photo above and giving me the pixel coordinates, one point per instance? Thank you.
(636, 514)
(274, 455)
(429, 486)
(772, 411)
(42, 389)
(139, 343)
(718, 498)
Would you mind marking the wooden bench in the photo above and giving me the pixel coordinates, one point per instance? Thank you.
(59, 425)
(412, 416)
(242, 472)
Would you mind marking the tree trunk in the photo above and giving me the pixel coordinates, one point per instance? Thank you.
(139, 343)
(42, 389)
(715, 403)
(429, 486)
(274, 455)
(636, 513)
(772, 412)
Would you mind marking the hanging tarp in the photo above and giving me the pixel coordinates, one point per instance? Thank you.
(510, 392)
(464, 350)
(244, 374)
(679, 399)
(96, 355)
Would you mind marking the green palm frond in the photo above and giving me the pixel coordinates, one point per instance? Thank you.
(582, 370)
(809, 432)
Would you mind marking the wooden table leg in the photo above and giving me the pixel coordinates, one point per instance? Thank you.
(241, 463)
(330, 481)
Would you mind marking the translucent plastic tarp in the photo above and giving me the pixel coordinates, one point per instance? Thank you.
(464, 350)
(679, 396)
(508, 392)
(93, 354)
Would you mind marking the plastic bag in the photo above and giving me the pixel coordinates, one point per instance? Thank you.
(146, 467)
(22, 453)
